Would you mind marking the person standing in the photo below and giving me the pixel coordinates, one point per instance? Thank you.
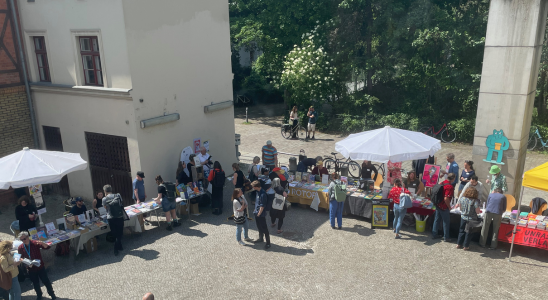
(394, 171)
(451, 167)
(31, 250)
(97, 202)
(239, 206)
(260, 214)
(217, 179)
(238, 177)
(115, 216)
(367, 169)
(475, 183)
(168, 205)
(466, 174)
(442, 209)
(496, 206)
(275, 212)
(26, 213)
(11, 271)
(469, 208)
(399, 212)
(335, 207)
(270, 155)
(312, 118)
(294, 118)
(204, 160)
(497, 181)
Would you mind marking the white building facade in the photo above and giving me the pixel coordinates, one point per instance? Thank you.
(99, 68)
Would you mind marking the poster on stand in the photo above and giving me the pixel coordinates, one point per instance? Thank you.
(431, 175)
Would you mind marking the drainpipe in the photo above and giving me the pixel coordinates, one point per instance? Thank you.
(24, 67)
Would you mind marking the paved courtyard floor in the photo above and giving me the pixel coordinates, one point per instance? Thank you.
(309, 260)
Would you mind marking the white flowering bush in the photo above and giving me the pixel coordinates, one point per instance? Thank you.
(308, 72)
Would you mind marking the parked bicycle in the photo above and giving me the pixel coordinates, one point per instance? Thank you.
(333, 164)
(447, 134)
(288, 131)
(534, 138)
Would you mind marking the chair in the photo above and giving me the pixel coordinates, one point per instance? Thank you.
(541, 209)
(510, 202)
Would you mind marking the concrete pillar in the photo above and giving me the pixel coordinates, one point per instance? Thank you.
(513, 46)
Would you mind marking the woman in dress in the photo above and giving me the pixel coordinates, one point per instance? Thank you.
(469, 210)
(26, 213)
(239, 205)
(216, 192)
(399, 212)
(466, 174)
(10, 267)
(294, 118)
(394, 171)
(274, 212)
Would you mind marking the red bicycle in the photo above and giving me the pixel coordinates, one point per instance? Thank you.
(447, 135)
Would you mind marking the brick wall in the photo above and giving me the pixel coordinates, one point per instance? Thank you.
(15, 125)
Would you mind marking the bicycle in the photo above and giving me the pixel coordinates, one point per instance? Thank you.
(447, 135)
(333, 164)
(534, 137)
(288, 130)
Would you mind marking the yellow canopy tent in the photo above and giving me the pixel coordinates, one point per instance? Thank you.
(536, 178)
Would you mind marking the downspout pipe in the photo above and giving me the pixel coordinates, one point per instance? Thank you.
(24, 67)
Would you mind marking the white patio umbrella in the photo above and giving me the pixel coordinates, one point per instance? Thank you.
(384, 144)
(30, 167)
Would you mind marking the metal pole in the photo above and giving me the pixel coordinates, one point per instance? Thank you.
(515, 225)
(24, 67)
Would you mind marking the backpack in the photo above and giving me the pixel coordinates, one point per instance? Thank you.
(171, 190)
(438, 194)
(219, 179)
(115, 206)
(340, 192)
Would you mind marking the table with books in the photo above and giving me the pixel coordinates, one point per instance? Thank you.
(531, 230)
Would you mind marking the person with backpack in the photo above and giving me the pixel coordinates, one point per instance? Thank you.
(399, 210)
(217, 179)
(441, 198)
(168, 204)
(337, 196)
(115, 216)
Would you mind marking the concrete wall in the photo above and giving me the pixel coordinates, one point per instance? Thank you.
(513, 46)
(77, 112)
(60, 22)
(180, 62)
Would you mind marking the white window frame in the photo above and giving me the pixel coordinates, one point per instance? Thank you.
(79, 69)
(31, 55)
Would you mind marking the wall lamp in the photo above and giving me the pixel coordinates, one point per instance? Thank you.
(218, 106)
(160, 120)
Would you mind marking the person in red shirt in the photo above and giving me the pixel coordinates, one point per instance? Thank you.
(31, 250)
(442, 209)
(399, 213)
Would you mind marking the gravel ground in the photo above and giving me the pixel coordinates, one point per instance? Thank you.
(309, 260)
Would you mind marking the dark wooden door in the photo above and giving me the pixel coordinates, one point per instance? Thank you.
(109, 164)
(52, 138)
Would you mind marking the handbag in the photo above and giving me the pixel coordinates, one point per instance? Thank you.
(405, 200)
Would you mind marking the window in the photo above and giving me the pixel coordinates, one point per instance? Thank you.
(42, 58)
(91, 60)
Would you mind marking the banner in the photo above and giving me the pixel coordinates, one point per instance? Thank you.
(524, 236)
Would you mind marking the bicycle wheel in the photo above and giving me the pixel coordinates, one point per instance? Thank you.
(286, 132)
(448, 135)
(532, 143)
(301, 133)
(354, 169)
(427, 130)
(380, 169)
(329, 164)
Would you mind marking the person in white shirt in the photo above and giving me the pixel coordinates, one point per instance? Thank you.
(204, 160)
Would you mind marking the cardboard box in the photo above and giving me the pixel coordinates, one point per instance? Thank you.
(91, 245)
(194, 209)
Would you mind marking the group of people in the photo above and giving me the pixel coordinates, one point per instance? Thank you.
(469, 201)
